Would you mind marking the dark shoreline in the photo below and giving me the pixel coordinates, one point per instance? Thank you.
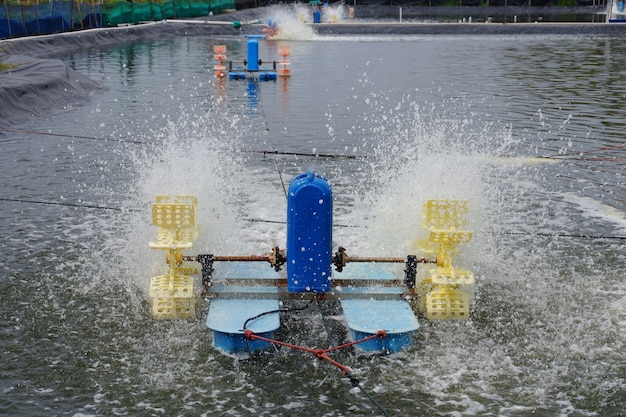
(51, 45)
(38, 83)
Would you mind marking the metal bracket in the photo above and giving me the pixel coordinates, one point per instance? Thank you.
(410, 273)
(207, 269)
(340, 259)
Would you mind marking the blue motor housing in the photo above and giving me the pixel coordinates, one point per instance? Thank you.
(317, 16)
(309, 234)
(253, 55)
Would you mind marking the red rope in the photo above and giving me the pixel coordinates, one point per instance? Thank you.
(319, 353)
(380, 333)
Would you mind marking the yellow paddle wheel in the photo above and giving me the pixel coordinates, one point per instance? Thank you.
(445, 291)
(173, 294)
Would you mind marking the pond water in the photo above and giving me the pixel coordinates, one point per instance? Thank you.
(529, 129)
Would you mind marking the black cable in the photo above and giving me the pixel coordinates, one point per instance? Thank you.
(331, 340)
(62, 135)
(284, 222)
(92, 206)
(245, 324)
(54, 203)
(565, 235)
(355, 383)
(265, 313)
(280, 175)
(562, 157)
(122, 140)
(315, 155)
(353, 380)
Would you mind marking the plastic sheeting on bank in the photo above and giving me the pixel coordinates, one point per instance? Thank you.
(20, 18)
(36, 86)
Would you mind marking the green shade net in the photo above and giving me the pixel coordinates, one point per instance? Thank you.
(38, 17)
(117, 12)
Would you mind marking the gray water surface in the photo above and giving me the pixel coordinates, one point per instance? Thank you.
(429, 117)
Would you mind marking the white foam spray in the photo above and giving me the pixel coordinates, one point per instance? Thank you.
(294, 22)
(197, 155)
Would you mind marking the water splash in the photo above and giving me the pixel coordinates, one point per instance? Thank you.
(295, 21)
(420, 153)
(197, 154)
(547, 336)
(532, 343)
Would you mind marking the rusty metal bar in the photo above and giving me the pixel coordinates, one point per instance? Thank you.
(387, 260)
(282, 282)
(233, 258)
(267, 258)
